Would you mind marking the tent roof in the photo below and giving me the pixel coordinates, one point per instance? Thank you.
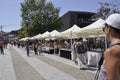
(73, 28)
(36, 37)
(54, 33)
(25, 39)
(71, 32)
(45, 34)
(98, 24)
(93, 29)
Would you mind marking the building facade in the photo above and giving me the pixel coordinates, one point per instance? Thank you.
(81, 19)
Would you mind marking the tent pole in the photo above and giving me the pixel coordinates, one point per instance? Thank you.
(71, 45)
(71, 39)
(105, 43)
(97, 56)
(54, 46)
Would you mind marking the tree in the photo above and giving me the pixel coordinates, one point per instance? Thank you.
(106, 9)
(22, 33)
(39, 16)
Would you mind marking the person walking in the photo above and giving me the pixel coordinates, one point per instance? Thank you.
(110, 69)
(85, 53)
(27, 48)
(74, 52)
(40, 47)
(1, 46)
(35, 45)
(80, 53)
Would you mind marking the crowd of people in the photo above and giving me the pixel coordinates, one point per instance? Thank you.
(110, 69)
(78, 50)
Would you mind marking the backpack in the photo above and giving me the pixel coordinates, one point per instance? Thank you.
(81, 49)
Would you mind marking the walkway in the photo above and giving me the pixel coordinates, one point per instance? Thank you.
(15, 65)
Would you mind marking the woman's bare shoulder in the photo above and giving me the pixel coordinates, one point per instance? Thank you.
(113, 52)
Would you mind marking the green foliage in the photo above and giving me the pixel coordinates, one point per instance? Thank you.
(22, 33)
(105, 10)
(39, 16)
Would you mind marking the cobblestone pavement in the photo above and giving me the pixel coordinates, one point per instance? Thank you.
(15, 65)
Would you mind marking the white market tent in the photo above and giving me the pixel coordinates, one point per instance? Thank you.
(36, 37)
(45, 34)
(54, 34)
(92, 29)
(25, 39)
(71, 32)
(32, 38)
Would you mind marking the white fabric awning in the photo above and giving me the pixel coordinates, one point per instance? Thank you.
(45, 34)
(25, 39)
(71, 32)
(92, 29)
(55, 34)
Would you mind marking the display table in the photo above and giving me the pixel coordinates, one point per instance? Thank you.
(93, 58)
(48, 50)
(66, 53)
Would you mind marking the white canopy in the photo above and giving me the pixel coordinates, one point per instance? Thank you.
(25, 39)
(45, 34)
(55, 34)
(71, 32)
(36, 37)
(32, 38)
(93, 29)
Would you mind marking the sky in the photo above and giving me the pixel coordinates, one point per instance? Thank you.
(10, 12)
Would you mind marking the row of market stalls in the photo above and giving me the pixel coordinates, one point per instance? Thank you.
(92, 30)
